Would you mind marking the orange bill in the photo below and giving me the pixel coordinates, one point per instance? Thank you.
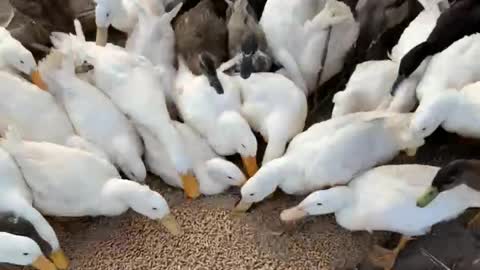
(190, 186)
(42, 263)
(37, 80)
(59, 259)
(250, 164)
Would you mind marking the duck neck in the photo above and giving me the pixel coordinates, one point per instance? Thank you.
(274, 173)
(41, 225)
(448, 205)
(120, 191)
(412, 60)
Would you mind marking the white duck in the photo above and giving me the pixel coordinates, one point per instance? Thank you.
(121, 14)
(214, 173)
(16, 199)
(36, 114)
(22, 251)
(154, 38)
(117, 73)
(334, 158)
(455, 110)
(69, 182)
(94, 116)
(443, 73)
(216, 116)
(15, 58)
(323, 28)
(369, 86)
(274, 106)
(385, 199)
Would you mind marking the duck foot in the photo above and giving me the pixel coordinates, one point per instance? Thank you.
(411, 152)
(474, 223)
(385, 258)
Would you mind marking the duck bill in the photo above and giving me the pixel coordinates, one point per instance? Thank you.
(242, 206)
(246, 67)
(59, 259)
(427, 197)
(190, 185)
(102, 36)
(38, 81)
(42, 263)
(171, 224)
(293, 214)
(250, 164)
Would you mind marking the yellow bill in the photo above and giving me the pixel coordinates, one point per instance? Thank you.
(59, 259)
(42, 263)
(171, 224)
(293, 214)
(250, 164)
(37, 80)
(242, 206)
(190, 186)
(102, 36)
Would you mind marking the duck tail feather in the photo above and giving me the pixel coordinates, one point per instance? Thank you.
(79, 30)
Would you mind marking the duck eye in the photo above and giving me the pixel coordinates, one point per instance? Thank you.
(229, 177)
(26, 254)
(424, 129)
(21, 61)
(243, 145)
(108, 15)
(154, 208)
(251, 194)
(319, 204)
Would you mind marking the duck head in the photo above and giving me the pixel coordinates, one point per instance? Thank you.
(23, 251)
(105, 11)
(432, 112)
(208, 67)
(224, 171)
(147, 202)
(232, 134)
(454, 174)
(17, 57)
(321, 202)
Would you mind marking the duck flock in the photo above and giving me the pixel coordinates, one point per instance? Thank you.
(81, 129)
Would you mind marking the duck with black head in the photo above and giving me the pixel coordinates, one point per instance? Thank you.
(22, 251)
(457, 173)
(18, 216)
(461, 20)
(247, 43)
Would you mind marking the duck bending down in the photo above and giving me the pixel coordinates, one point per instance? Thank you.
(216, 116)
(69, 182)
(460, 20)
(247, 43)
(454, 110)
(214, 174)
(17, 59)
(275, 107)
(457, 174)
(319, 28)
(121, 14)
(89, 110)
(384, 199)
(368, 88)
(154, 38)
(22, 251)
(18, 216)
(132, 83)
(31, 110)
(330, 157)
